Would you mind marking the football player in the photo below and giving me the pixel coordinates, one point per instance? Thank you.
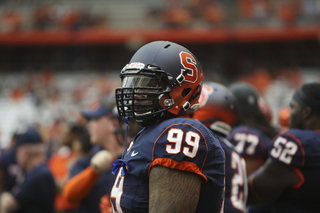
(37, 191)
(290, 176)
(219, 111)
(252, 134)
(174, 164)
(91, 178)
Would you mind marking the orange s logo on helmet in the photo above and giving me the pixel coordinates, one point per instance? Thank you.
(190, 65)
(206, 91)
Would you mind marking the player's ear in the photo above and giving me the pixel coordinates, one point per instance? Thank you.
(116, 122)
(306, 113)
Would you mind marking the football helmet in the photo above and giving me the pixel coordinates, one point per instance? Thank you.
(246, 95)
(161, 76)
(218, 108)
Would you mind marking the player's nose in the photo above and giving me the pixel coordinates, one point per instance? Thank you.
(140, 94)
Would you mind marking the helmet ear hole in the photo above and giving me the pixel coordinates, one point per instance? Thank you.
(186, 91)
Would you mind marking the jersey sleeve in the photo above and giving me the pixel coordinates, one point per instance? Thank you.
(287, 149)
(79, 186)
(182, 147)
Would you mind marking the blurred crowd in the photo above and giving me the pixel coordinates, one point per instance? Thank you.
(52, 17)
(171, 14)
(219, 13)
(59, 158)
(74, 175)
(56, 158)
(55, 16)
(48, 98)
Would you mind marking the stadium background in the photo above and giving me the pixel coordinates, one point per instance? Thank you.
(58, 57)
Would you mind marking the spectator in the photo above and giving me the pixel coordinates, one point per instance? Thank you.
(41, 17)
(37, 192)
(289, 11)
(175, 15)
(90, 177)
(10, 171)
(196, 8)
(82, 145)
(11, 21)
(245, 8)
(74, 144)
(261, 11)
(213, 14)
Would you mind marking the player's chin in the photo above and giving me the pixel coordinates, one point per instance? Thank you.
(94, 140)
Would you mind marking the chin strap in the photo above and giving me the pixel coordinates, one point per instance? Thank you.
(181, 77)
(120, 163)
(187, 104)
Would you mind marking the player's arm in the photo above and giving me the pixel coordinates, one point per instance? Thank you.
(79, 186)
(270, 181)
(8, 203)
(252, 164)
(173, 190)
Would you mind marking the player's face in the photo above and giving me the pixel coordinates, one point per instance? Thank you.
(22, 155)
(100, 130)
(295, 116)
(146, 92)
(64, 131)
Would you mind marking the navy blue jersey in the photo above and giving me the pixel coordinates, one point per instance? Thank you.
(177, 143)
(299, 149)
(11, 170)
(37, 192)
(235, 183)
(249, 141)
(102, 186)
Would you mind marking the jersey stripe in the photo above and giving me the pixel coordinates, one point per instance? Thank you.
(301, 177)
(183, 166)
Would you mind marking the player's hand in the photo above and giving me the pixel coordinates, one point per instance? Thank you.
(102, 161)
(105, 205)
